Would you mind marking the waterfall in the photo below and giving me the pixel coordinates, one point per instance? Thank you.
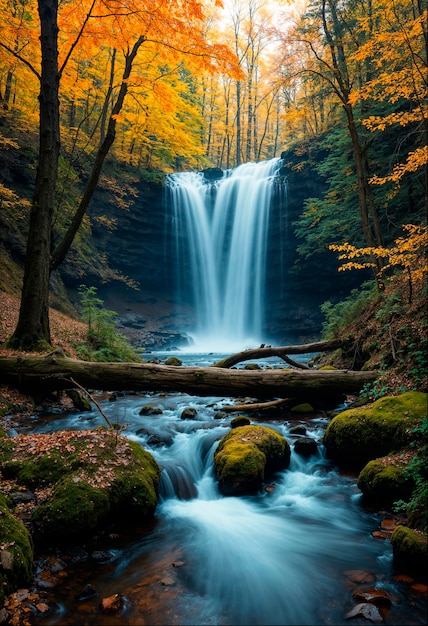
(221, 236)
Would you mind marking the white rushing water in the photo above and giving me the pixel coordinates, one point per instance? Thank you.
(221, 234)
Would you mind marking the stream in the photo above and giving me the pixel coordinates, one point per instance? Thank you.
(291, 555)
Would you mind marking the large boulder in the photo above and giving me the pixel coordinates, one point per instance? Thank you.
(81, 479)
(359, 435)
(384, 481)
(410, 549)
(246, 456)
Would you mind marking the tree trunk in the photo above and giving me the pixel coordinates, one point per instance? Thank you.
(54, 372)
(33, 330)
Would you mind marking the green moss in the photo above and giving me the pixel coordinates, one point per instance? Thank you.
(246, 455)
(384, 481)
(305, 407)
(95, 475)
(410, 548)
(74, 507)
(359, 435)
(37, 472)
(16, 553)
(136, 489)
(172, 360)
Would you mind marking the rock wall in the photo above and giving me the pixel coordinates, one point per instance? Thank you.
(141, 249)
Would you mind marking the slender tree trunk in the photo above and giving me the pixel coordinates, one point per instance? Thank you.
(33, 329)
(108, 97)
(61, 251)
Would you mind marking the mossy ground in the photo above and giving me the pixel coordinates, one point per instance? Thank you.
(16, 552)
(80, 478)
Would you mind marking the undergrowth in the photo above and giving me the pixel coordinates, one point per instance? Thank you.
(103, 343)
(389, 333)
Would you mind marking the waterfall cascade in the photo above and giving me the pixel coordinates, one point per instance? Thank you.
(221, 236)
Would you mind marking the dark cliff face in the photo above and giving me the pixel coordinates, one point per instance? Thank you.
(141, 248)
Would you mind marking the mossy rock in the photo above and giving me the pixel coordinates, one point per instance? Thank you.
(358, 435)
(304, 407)
(384, 481)
(73, 508)
(17, 564)
(246, 456)
(172, 360)
(95, 475)
(410, 549)
(240, 420)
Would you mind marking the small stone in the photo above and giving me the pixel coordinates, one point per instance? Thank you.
(21, 595)
(42, 607)
(420, 589)
(368, 611)
(360, 576)
(111, 604)
(188, 413)
(87, 592)
(178, 563)
(167, 581)
(373, 595)
(381, 534)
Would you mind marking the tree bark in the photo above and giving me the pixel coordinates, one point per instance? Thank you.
(33, 328)
(55, 371)
(282, 352)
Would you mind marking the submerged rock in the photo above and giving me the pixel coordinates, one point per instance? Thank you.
(246, 456)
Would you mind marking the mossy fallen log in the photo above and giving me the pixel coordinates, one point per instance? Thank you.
(56, 371)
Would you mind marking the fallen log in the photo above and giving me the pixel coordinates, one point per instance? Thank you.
(55, 372)
(264, 352)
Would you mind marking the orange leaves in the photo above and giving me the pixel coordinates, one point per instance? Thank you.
(408, 253)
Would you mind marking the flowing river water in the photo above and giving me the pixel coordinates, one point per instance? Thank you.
(291, 555)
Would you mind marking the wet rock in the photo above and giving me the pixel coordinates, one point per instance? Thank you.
(87, 592)
(373, 595)
(241, 420)
(305, 407)
(360, 576)
(154, 440)
(188, 413)
(220, 415)
(306, 446)
(22, 497)
(246, 456)
(111, 604)
(102, 556)
(80, 401)
(299, 429)
(150, 410)
(357, 436)
(410, 549)
(167, 581)
(366, 610)
(252, 366)
(383, 481)
(173, 361)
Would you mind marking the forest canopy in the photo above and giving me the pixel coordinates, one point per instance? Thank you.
(339, 84)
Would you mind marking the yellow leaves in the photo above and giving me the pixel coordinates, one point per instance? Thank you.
(408, 253)
(416, 160)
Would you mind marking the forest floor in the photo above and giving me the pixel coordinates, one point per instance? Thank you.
(65, 331)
